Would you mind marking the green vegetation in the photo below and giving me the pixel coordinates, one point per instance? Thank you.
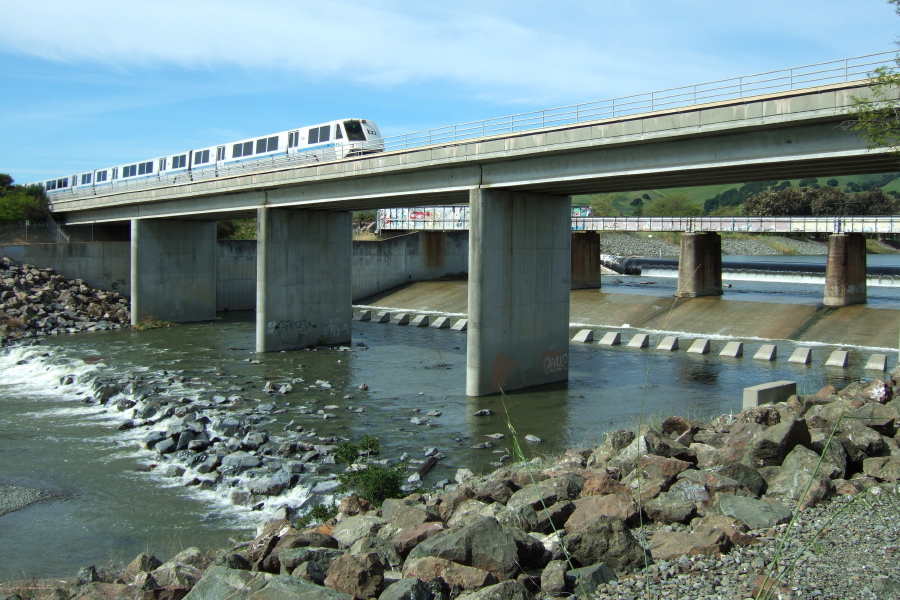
(236, 229)
(319, 513)
(673, 205)
(19, 203)
(371, 481)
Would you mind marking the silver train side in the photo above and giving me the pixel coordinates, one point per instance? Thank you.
(322, 142)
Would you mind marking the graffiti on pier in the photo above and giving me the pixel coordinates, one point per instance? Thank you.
(290, 332)
(555, 361)
(177, 308)
(336, 328)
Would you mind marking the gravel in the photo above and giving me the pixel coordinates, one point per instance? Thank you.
(13, 498)
(638, 245)
(855, 557)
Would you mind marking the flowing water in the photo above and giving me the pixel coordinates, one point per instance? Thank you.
(114, 502)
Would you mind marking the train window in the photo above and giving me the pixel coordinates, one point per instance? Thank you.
(179, 162)
(86, 178)
(324, 133)
(101, 176)
(162, 164)
(293, 139)
(61, 183)
(313, 136)
(338, 135)
(51, 185)
(260, 145)
(354, 131)
(220, 153)
(129, 171)
(115, 174)
(273, 143)
(145, 167)
(201, 157)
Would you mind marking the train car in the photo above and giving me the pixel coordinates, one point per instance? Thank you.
(333, 140)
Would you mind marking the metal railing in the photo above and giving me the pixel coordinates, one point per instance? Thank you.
(857, 68)
(454, 218)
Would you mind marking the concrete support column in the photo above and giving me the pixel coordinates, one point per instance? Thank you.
(303, 279)
(173, 270)
(585, 260)
(845, 273)
(519, 281)
(700, 265)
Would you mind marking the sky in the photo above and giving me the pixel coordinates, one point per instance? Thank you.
(97, 83)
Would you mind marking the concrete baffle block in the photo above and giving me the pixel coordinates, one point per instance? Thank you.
(584, 336)
(440, 323)
(461, 325)
(700, 346)
(877, 362)
(420, 321)
(801, 356)
(670, 342)
(768, 393)
(766, 352)
(363, 315)
(383, 317)
(400, 319)
(640, 340)
(838, 358)
(733, 349)
(611, 338)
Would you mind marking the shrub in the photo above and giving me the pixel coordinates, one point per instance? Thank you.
(373, 482)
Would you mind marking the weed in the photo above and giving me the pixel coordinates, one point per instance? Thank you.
(373, 482)
(151, 322)
(320, 513)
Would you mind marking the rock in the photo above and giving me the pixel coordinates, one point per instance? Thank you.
(746, 475)
(485, 412)
(496, 490)
(353, 576)
(406, 515)
(407, 589)
(605, 540)
(770, 447)
(804, 459)
(309, 571)
(353, 528)
(232, 560)
(585, 581)
(143, 563)
(353, 505)
(546, 493)
(553, 578)
(667, 545)
(591, 508)
(615, 442)
(883, 468)
(485, 545)
(386, 551)
(407, 539)
(784, 482)
(177, 574)
(756, 514)
(429, 567)
(507, 590)
(679, 504)
(220, 582)
(291, 558)
(597, 485)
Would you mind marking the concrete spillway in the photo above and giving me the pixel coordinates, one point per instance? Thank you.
(747, 270)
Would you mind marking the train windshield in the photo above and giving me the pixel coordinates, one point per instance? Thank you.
(354, 131)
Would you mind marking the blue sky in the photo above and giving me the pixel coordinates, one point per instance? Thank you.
(98, 83)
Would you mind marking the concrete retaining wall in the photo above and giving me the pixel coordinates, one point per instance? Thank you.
(102, 265)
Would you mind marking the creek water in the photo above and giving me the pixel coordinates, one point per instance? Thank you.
(111, 504)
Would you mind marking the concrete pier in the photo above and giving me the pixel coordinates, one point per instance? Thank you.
(519, 280)
(585, 260)
(700, 265)
(173, 270)
(303, 279)
(845, 273)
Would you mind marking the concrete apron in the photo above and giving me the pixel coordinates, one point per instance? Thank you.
(518, 300)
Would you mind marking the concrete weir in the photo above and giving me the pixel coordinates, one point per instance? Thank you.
(519, 280)
(303, 284)
(173, 270)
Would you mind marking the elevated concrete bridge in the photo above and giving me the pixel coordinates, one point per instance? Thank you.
(517, 185)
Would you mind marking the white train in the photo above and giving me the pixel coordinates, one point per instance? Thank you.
(325, 141)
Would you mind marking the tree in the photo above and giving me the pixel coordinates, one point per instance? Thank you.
(829, 202)
(20, 203)
(832, 183)
(787, 202)
(602, 206)
(673, 205)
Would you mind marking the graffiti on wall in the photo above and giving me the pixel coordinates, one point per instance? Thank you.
(290, 333)
(555, 361)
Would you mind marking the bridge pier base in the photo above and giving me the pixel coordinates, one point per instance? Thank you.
(585, 260)
(845, 273)
(519, 282)
(303, 279)
(700, 265)
(173, 270)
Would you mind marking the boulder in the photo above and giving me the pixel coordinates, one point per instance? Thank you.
(601, 484)
(614, 444)
(404, 514)
(883, 468)
(351, 529)
(496, 490)
(408, 539)
(143, 563)
(553, 578)
(386, 551)
(428, 568)
(679, 504)
(507, 590)
(713, 483)
(605, 540)
(358, 578)
(804, 459)
(587, 510)
(667, 545)
(309, 571)
(407, 589)
(585, 580)
(756, 514)
(859, 441)
(220, 582)
(784, 482)
(291, 558)
(746, 475)
(485, 544)
(546, 493)
(771, 446)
